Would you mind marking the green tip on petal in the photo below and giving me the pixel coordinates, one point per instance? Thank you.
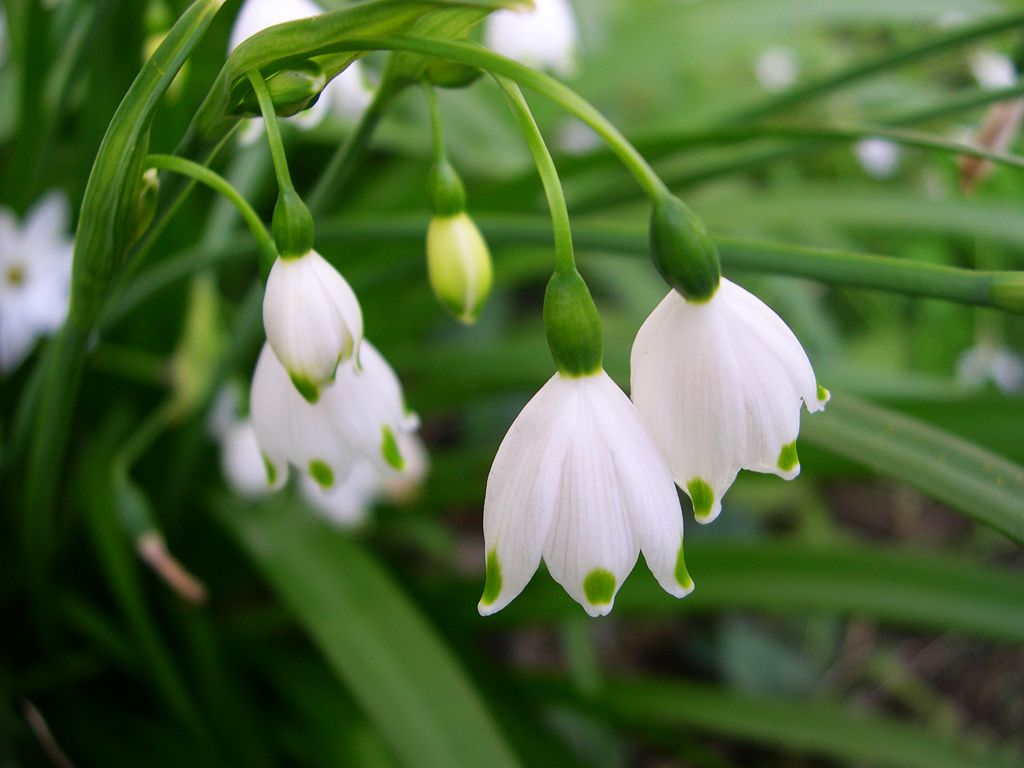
(322, 473)
(682, 575)
(306, 387)
(492, 581)
(701, 495)
(788, 460)
(271, 470)
(389, 450)
(599, 586)
(823, 394)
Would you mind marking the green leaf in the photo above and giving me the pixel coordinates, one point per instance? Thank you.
(982, 484)
(376, 641)
(813, 727)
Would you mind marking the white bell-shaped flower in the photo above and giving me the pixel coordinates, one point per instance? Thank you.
(358, 417)
(312, 319)
(579, 481)
(879, 157)
(546, 37)
(719, 385)
(35, 277)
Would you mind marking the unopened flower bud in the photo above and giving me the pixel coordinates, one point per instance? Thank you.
(145, 202)
(445, 73)
(572, 325)
(292, 90)
(683, 251)
(459, 265)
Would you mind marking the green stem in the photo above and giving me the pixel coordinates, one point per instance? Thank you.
(344, 161)
(564, 258)
(436, 132)
(284, 178)
(814, 88)
(202, 174)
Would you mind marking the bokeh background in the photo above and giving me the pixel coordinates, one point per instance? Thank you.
(845, 618)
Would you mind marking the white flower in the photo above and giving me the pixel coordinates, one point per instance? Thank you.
(546, 37)
(719, 385)
(35, 277)
(777, 68)
(879, 157)
(312, 319)
(360, 416)
(993, 362)
(579, 481)
(993, 70)
(345, 97)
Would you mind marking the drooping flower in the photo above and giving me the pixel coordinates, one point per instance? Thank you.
(993, 70)
(879, 157)
(777, 69)
(345, 97)
(459, 265)
(359, 416)
(546, 37)
(719, 385)
(35, 277)
(312, 319)
(579, 481)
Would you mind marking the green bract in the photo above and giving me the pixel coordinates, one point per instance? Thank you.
(682, 249)
(572, 325)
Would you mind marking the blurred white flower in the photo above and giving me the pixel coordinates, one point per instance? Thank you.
(312, 319)
(988, 361)
(345, 97)
(575, 137)
(719, 384)
(546, 37)
(35, 276)
(993, 70)
(359, 417)
(579, 481)
(879, 157)
(777, 68)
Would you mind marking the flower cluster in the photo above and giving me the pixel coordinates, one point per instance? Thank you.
(584, 477)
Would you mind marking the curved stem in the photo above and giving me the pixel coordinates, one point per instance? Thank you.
(564, 258)
(345, 159)
(268, 251)
(436, 132)
(284, 178)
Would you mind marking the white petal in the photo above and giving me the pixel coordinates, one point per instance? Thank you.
(546, 38)
(241, 461)
(646, 484)
(47, 223)
(522, 488)
(366, 408)
(257, 15)
(312, 319)
(17, 336)
(403, 487)
(347, 505)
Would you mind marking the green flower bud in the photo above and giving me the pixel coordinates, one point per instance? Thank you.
(572, 325)
(447, 196)
(445, 73)
(145, 203)
(683, 251)
(292, 90)
(459, 266)
(292, 225)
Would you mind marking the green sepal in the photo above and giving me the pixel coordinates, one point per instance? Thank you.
(292, 225)
(683, 251)
(572, 325)
(447, 195)
(292, 90)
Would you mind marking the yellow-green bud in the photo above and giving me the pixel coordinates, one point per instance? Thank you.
(292, 225)
(572, 325)
(683, 251)
(459, 265)
(145, 203)
(292, 90)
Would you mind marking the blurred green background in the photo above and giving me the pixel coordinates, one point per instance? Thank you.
(845, 618)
